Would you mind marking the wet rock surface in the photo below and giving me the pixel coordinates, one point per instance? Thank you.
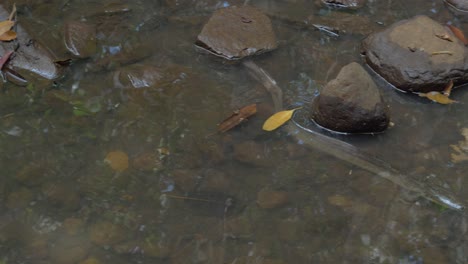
(28, 61)
(415, 55)
(351, 103)
(80, 38)
(348, 4)
(459, 5)
(237, 32)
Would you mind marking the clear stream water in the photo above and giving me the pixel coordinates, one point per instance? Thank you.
(191, 195)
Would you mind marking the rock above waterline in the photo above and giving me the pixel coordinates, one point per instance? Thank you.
(31, 61)
(417, 55)
(351, 103)
(237, 32)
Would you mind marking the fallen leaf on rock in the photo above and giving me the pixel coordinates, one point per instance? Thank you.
(237, 117)
(5, 58)
(6, 34)
(458, 33)
(6, 26)
(117, 160)
(13, 13)
(438, 97)
(448, 88)
(444, 37)
(278, 119)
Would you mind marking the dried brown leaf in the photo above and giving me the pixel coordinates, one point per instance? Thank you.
(458, 33)
(6, 26)
(448, 88)
(117, 160)
(5, 58)
(13, 13)
(7, 36)
(438, 97)
(237, 117)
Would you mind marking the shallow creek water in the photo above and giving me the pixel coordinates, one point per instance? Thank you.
(191, 195)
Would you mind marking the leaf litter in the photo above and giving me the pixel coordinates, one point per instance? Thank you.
(237, 118)
(6, 34)
(278, 119)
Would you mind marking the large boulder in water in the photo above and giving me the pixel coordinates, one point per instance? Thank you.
(351, 103)
(417, 55)
(30, 61)
(237, 32)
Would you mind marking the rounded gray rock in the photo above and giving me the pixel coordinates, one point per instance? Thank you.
(417, 55)
(236, 32)
(351, 103)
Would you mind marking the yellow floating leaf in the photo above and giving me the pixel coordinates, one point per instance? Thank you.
(7, 36)
(117, 160)
(278, 119)
(438, 97)
(6, 26)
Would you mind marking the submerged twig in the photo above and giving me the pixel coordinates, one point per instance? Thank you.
(267, 81)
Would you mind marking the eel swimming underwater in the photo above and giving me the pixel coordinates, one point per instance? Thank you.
(349, 153)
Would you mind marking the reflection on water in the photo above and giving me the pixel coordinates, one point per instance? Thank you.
(190, 195)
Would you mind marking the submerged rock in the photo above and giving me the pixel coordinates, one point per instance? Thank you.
(268, 199)
(417, 55)
(351, 103)
(80, 38)
(237, 32)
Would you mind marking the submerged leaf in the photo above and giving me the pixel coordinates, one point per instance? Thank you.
(117, 160)
(237, 117)
(278, 119)
(438, 97)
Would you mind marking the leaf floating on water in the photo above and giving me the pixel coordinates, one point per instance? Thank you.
(117, 160)
(448, 88)
(237, 117)
(278, 119)
(458, 33)
(438, 97)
